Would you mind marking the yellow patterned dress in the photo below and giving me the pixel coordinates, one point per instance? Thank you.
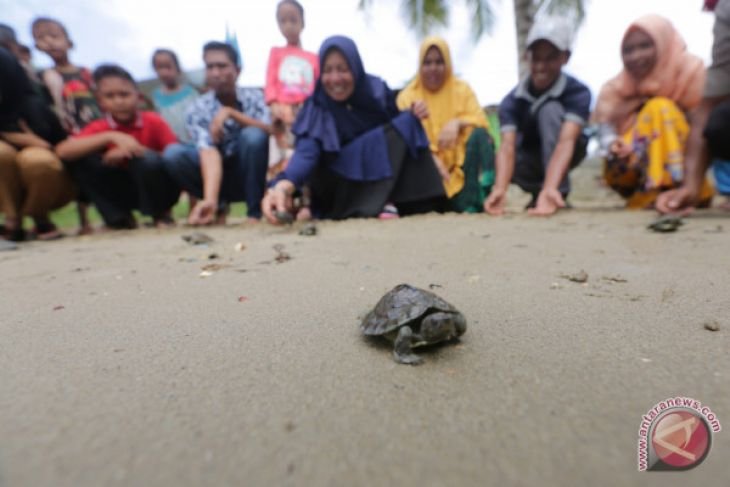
(656, 163)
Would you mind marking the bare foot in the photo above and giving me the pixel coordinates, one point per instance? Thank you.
(85, 230)
(725, 205)
(164, 222)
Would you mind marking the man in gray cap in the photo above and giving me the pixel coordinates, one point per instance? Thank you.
(542, 121)
(710, 123)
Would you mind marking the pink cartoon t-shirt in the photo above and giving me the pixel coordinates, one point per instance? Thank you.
(291, 75)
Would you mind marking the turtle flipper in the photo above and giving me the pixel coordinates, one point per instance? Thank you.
(402, 352)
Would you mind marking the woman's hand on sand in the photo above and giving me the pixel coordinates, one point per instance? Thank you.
(449, 134)
(494, 204)
(419, 109)
(278, 198)
(548, 202)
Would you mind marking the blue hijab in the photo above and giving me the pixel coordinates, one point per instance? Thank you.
(353, 130)
(334, 123)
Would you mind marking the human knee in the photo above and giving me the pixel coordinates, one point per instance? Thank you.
(173, 151)
(35, 161)
(7, 154)
(254, 138)
(551, 110)
(176, 155)
(658, 102)
(151, 159)
(659, 105)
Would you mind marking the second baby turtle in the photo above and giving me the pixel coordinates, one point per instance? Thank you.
(666, 223)
(412, 317)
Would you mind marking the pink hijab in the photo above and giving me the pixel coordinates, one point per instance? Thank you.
(677, 75)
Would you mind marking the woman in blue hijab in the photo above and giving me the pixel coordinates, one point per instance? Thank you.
(355, 150)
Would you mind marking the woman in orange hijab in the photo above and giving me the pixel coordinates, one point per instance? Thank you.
(456, 127)
(642, 112)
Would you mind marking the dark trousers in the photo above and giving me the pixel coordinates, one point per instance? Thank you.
(717, 131)
(143, 185)
(244, 172)
(532, 162)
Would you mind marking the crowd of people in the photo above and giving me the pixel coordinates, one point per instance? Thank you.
(326, 139)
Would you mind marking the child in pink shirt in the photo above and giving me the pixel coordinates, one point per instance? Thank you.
(290, 79)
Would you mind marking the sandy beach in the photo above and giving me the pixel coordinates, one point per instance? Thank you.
(137, 359)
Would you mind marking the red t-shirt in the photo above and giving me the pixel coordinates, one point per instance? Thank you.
(149, 129)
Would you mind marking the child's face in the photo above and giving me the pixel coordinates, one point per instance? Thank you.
(546, 63)
(166, 69)
(433, 69)
(290, 22)
(118, 97)
(51, 39)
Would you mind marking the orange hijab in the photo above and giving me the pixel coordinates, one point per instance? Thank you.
(677, 75)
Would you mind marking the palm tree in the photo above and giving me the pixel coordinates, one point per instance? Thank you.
(423, 15)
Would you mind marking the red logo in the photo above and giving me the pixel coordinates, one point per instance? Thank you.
(680, 440)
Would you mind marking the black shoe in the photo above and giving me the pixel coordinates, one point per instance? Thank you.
(124, 223)
(14, 235)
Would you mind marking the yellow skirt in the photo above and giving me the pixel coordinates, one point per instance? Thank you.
(658, 138)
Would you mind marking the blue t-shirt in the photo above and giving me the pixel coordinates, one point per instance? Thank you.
(518, 109)
(172, 107)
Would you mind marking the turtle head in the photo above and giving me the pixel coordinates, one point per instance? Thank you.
(459, 324)
(442, 326)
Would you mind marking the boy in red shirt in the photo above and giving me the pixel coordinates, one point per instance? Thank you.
(116, 160)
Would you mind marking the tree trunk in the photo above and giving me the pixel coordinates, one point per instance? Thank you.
(524, 18)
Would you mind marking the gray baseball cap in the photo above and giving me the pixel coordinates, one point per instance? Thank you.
(556, 31)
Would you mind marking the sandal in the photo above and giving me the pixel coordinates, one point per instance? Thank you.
(46, 230)
(389, 212)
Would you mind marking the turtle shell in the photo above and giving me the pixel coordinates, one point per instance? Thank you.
(399, 306)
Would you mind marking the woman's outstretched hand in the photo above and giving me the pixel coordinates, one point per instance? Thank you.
(277, 199)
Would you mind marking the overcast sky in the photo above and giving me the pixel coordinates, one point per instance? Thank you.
(127, 31)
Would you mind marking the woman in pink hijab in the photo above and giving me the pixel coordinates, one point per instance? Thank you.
(642, 112)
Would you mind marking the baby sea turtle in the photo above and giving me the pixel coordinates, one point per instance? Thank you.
(412, 317)
(284, 217)
(308, 230)
(197, 238)
(666, 223)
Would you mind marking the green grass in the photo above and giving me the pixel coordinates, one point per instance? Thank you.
(67, 217)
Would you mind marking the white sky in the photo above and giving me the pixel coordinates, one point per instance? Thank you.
(127, 31)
